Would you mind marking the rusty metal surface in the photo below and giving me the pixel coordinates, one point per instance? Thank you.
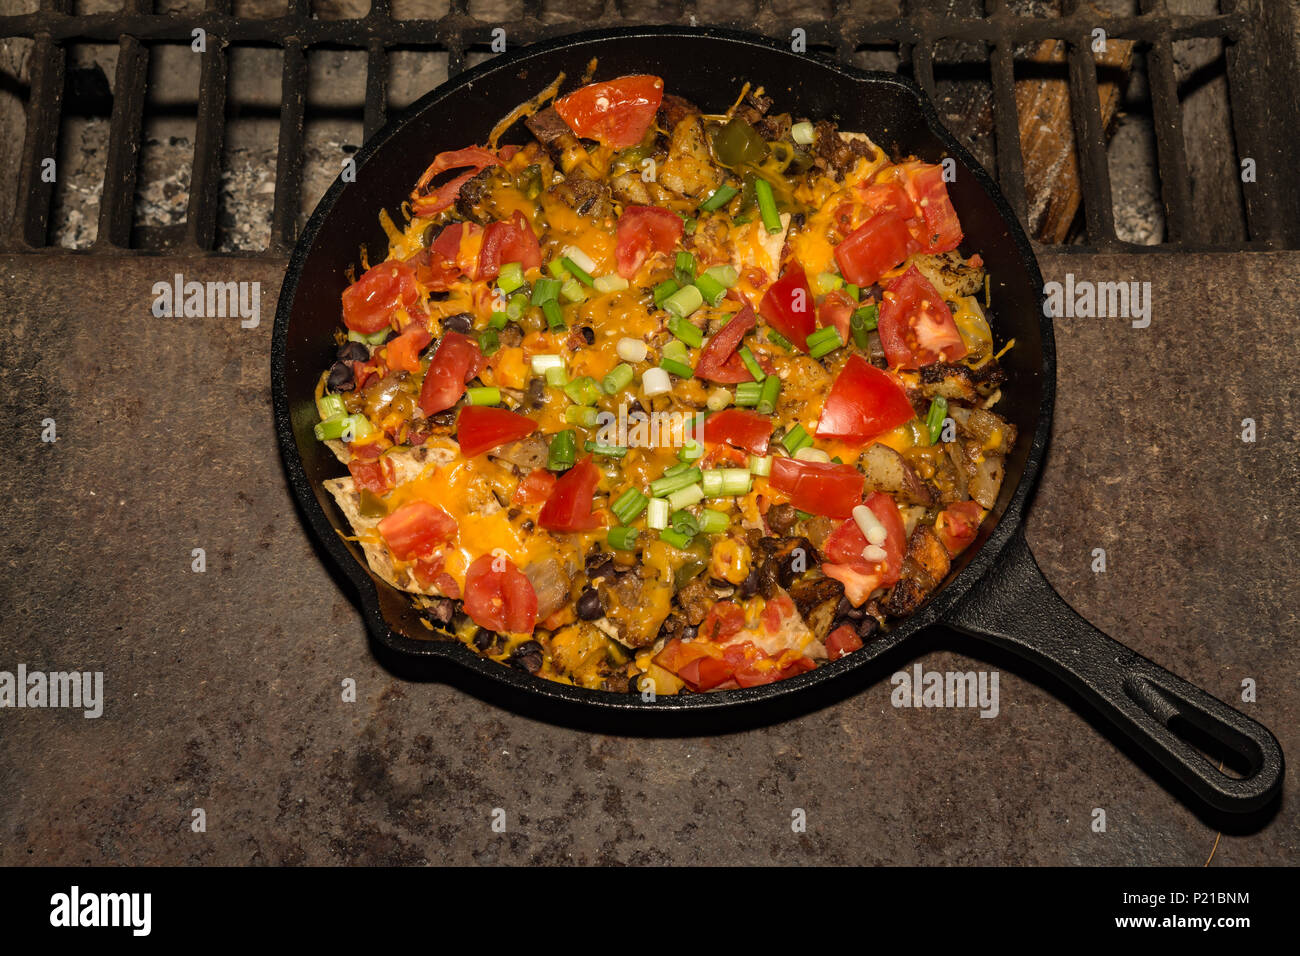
(223, 689)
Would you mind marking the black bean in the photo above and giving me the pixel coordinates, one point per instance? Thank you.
(588, 334)
(589, 607)
(749, 587)
(461, 322)
(846, 609)
(599, 564)
(439, 295)
(341, 378)
(484, 639)
(528, 656)
(867, 626)
(689, 632)
(512, 335)
(534, 394)
(353, 352)
(636, 407)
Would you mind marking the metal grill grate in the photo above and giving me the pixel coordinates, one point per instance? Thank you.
(1255, 35)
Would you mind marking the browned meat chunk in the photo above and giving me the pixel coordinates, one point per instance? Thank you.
(959, 383)
(474, 201)
(783, 560)
(674, 109)
(924, 566)
(584, 196)
(835, 153)
(816, 600)
(551, 131)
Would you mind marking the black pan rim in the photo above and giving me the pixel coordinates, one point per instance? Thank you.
(932, 612)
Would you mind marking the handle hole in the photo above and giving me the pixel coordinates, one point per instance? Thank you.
(1218, 743)
(1232, 762)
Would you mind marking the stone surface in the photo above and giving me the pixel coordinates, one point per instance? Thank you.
(223, 688)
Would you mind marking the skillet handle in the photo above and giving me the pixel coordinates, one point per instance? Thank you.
(1015, 607)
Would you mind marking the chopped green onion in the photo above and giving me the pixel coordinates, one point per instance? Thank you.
(557, 377)
(723, 275)
(683, 522)
(676, 469)
(572, 291)
(579, 258)
(751, 363)
(374, 338)
(684, 330)
(540, 363)
(488, 341)
(517, 306)
(742, 220)
(346, 427)
(767, 395)
(664, 289)
(689, 226)
(655, 381)
(718, 399)
(684, 268)
(618, 378)
(545, 290)
(718, 198)
(713, 522)
(747, 393)
(767, 205)
(563, 451)
(865, 317)
(711, 482)
(760, 465)
(609, 451)
(691, 451)
(583, 390)
(656, 515)
(583, 415)
(511, 277)
(330, 406)
(684, 301)
(776, 338)
(666, 485)
(622, 539)
(824, 341)
(825, 282)
(803, 515)
(628, 506)
(853, 291)
(675, 350)
(680, 369)
(802, 133)
(679, 541)
(934, 418)
(685, 497)
(631, 350)
(796, 438)
(712, 290)
(735, 481)
(485, 395)
(498, 320)
(554, 317)
(610, 283)
(579, 273)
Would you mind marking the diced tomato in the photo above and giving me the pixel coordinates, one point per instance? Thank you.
(480, 428)
(677, 653)
(404, 351)
(706, 673)
(787, 306)
(843, 640)
(880, 197)
(751, 666)
(720, 360)
(818, 487)
(776, 611)
(428, 570)
(723, 619)
(643, 231)
(616, 112)
(836, 308)
(376, 475)
(846, 543)
(915, 325)
(456, 361)
(569, 507)
(442, 263)
(369, 303)
(416, 529)
(499, 596)
(929, 194)
(474, 158)
(875, 247)
(740, 428)
(957, 525)
(504, 242)
(864, 402)
(859, 585)
(536, 487)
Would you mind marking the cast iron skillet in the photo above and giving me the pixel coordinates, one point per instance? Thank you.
(995, 592)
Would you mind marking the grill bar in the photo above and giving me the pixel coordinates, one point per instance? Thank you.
(1272, 209)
